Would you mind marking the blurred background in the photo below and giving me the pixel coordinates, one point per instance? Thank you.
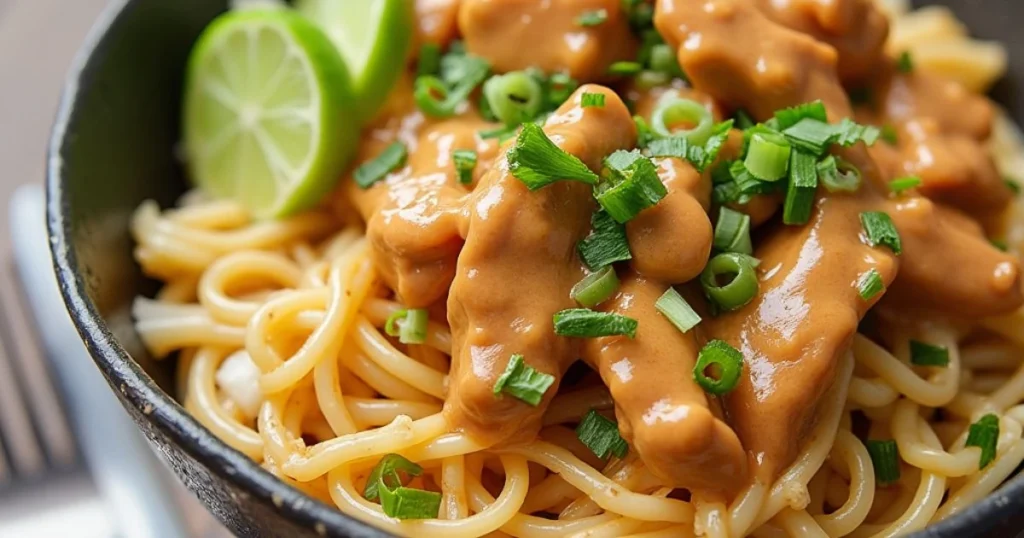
(71, 463)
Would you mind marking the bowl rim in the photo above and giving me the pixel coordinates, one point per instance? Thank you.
(137, 389)
(124, 374)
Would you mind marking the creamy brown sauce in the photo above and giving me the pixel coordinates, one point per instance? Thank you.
(503, 259)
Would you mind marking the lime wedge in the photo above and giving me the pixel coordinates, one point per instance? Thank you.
(373, 36)
(268, 116)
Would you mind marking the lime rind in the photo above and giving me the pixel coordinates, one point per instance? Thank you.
(269, 112)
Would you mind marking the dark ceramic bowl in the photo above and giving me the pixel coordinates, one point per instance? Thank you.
(112, 147)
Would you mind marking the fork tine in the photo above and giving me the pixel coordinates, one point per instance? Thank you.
(15, 424)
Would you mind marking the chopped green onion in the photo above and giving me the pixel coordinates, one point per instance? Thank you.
(592, 18)
(514, 97)
(1013, 185)
(591, 99)
(889, 135)
(522, 381)
(429, 62)
(870, 285)
(460, 74)
(899, 185)
(849, 132)
(595, 288)
(672, 110)
(629, 184)
(923, 354)
(811, 135)
(503, 133)
(885, 458)
(789, 117)
(999, 244)
(538, 162)
(558, 88)
(674, 307)
(905, 63)
(601, 436)
(838, 175)
(880, 230)
(464, 161)
(984, 434)
(644, 134)
(374, 170)
(732, 232)
(743, 120)
(397, 500)
(409, 325)
(803, 182)
(585, 323)
(606, 244)
(718, 368)
(742, 285)
(625, 68)
(768, 156)
(648, 79)
(663, 60)
(433, 97)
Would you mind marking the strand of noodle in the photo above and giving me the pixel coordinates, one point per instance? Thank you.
(934, 393)
(403, 432)
(769, 531)
(799, 523)
(296, 411)
(612, 529)
(1007, 326)
(871, 392)
(377, 311)
(745, 507)
(353, 386)
(978, 485)
(261, 235)
(341, 242)
(208, 411)
(350, 282)
(180, 290)
(379, 411)
(430, 357)
(568, 439)
(985, 383)
(453, 486)
(240, 267)
(1011, 393)
(396, 363)
(316, 275)
(317, 426)
(629, 473)
(711, 518)
(907, 430)
(183, 372)
(606, 493)
(549, 492)
(381, 380)
(999, 355)
(304, 255)
(532, 526)
(490, 519)
(854, 455)
(790, 489)
(332, 402)
(443, 446)
(211, 214)
(672, 531)
(817, 488)
(164, 328)
(161, 258)
(967, 404)
(571, 406)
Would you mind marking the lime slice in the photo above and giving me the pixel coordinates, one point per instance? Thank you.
(373, 36)
(268, 114)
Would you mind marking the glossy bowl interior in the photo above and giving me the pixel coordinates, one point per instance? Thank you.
(113, 146)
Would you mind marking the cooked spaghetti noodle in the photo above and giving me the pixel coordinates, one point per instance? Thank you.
(279, 331)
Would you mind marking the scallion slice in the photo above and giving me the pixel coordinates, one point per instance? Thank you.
(464, 161)
(999, 244)
(905, 62)
(789, 117)
(889, 135)
(601, 436)
(984, 434)
(593, 17)
(742, 285)
(625, 68)
(588, 100)
(606, 244)
(732, 232)
(924, 354)
(880, 230)
(514, 97)
(718, 368)
(812, 135)
(538, 162)
(838, 175)
(803, 182)
(374, 170)
(898, 185)
(629, 184)
(586, 323)
(396, 500)
(870, 284)
(885, 458)
(429, 61)
(1013, 185)
(672, 110)
(767, 156)
(409, 325)
(522, 381)
(674, 307)
(595, 288)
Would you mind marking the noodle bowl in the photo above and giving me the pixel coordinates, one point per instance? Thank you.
(280, 332)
